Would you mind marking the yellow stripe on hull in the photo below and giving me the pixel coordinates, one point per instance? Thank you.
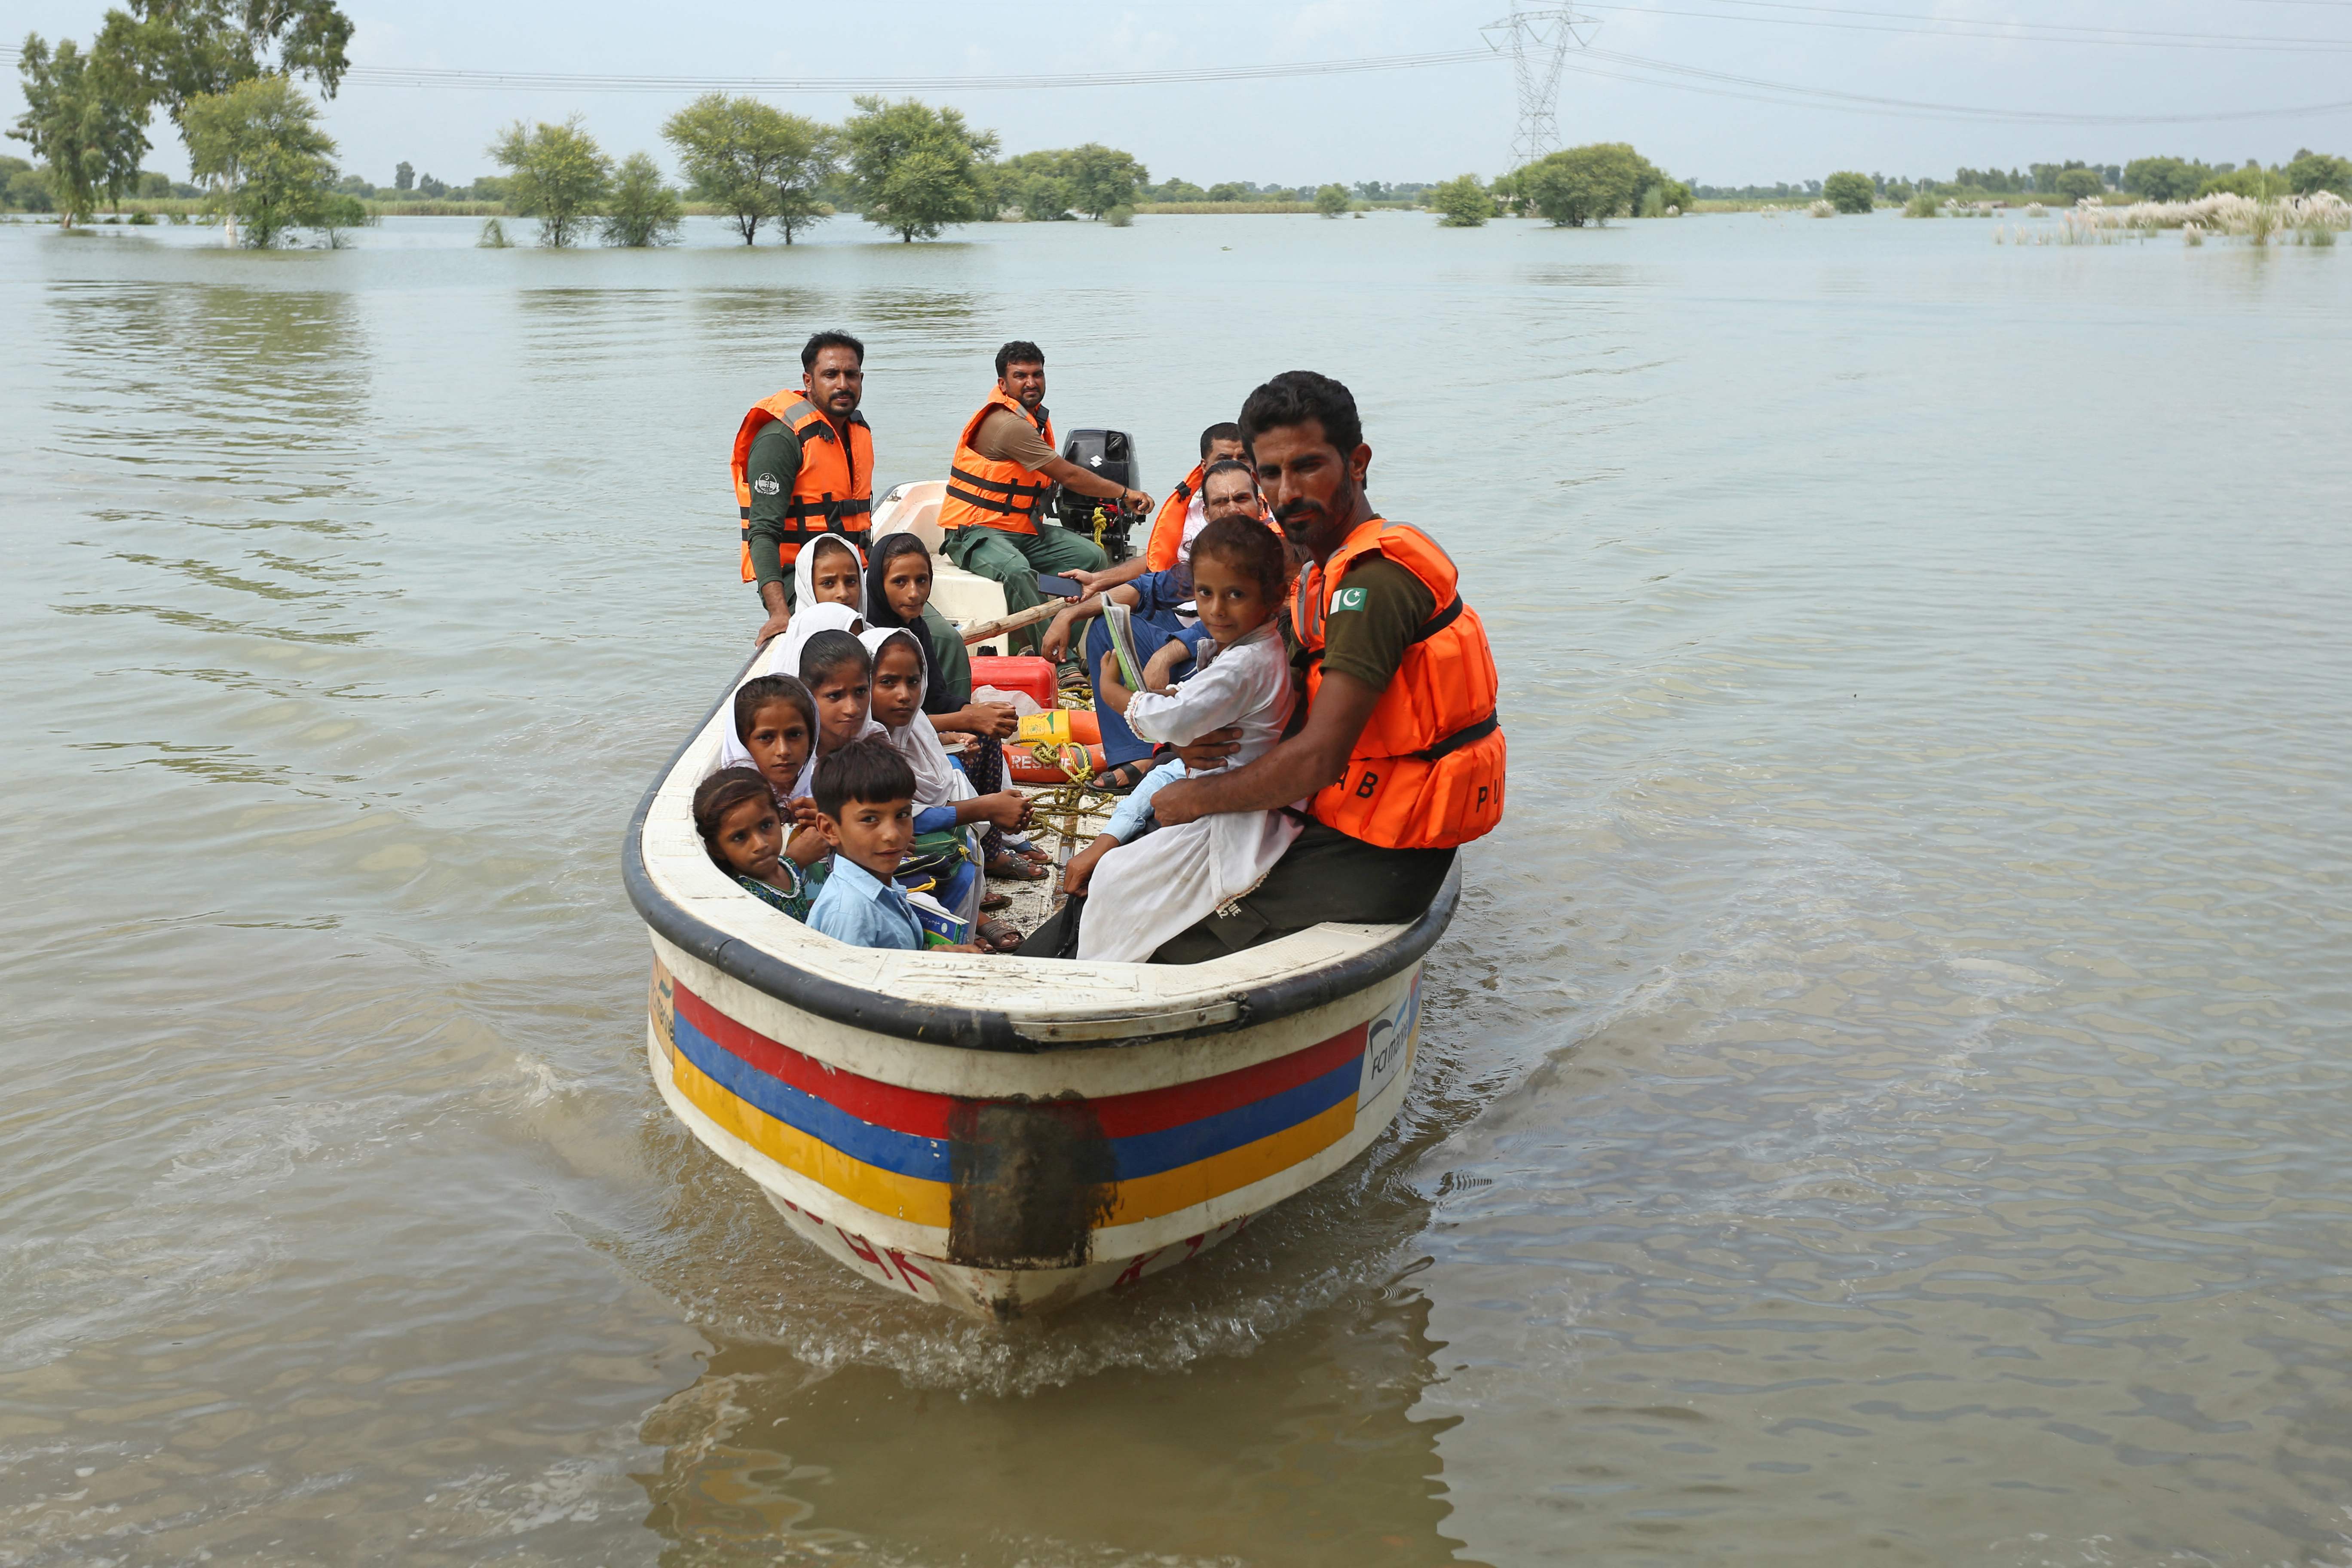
(908, 1198)
(1149, 1197)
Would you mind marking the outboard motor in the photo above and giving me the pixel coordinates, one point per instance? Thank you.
(1111, 454)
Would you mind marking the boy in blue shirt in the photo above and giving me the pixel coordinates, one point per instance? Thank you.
(866, 809)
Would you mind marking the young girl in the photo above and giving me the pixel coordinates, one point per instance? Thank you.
(899, 594)
(829, 573)
(945, 800)
(775, 734)
(736, 813)
(1141, 894)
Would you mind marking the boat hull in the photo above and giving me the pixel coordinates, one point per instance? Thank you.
(1007, 1184)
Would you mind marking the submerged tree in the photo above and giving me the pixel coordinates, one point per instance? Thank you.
(1332, 200)
(756, 161)
(1850, 192)
(643, 209)
(1461, 202)
(560, 176)
(1584, 185)
(914, 169)
(1100, 178)
(271, 168)
(82, 122)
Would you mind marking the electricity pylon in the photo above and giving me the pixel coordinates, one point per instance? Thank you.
(1539, 43)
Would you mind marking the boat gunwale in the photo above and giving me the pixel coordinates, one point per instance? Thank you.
(982, 1029)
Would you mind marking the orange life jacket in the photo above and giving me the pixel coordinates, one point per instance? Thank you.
(834, 491)
(991, 494)
(1427, 772)
(1166, 546)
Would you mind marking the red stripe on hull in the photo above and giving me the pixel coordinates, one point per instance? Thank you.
(925, 1114)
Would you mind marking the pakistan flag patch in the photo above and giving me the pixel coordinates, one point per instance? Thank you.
(1347, 599)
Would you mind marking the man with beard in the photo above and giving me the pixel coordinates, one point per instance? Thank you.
(1400, 750)
(1004, 463)
(804, 467)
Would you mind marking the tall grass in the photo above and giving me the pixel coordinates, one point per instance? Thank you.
(2259, 221)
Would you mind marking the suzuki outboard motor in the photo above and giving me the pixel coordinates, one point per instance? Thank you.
(1111, 454)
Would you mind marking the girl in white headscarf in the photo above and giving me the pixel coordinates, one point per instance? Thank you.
(829, 571)
(948, 811)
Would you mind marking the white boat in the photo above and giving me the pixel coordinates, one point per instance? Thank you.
(1003, 1134)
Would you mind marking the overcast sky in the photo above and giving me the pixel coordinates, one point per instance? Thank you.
(1421, 124)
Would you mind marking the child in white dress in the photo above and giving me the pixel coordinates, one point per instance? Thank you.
(1140, 894)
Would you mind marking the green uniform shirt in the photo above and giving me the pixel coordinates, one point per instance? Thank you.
(1380, 607)
(769, 468)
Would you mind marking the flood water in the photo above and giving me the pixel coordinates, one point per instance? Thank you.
(1886, 1097)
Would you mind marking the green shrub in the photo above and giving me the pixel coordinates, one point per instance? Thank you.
(1850, 192)
(1461, 202)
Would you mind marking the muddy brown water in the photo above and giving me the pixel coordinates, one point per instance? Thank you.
(1886, 1097)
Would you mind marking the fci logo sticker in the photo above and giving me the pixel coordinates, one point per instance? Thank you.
(766, 484)
(1388, 1046)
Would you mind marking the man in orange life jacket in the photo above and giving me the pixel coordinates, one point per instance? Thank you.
(1004, 462)
(1400, 751)
(1183, 514)
(804, 467)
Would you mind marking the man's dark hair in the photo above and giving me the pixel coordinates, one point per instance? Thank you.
(867, 770)
(1227, 431)
(823, 340)
(1020, 351)
(1297, 396)
(829, 651)
(1227, 466)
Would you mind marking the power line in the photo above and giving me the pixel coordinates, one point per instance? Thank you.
(438, 76)
(1969, 27)
(1759, 90)
(1680, 78)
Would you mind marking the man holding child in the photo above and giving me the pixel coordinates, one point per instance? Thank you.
(1401, 757)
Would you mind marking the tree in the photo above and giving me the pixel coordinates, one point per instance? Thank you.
(914, 169)
(2253, 180)
(1850, 192)
(404, 177)
(2079, 185)
(643, 210)
(561, 176)
(808, 161)
(181, 50)
(2164, 179)
(270, 167)
(1461, 202)
(755, 160)
(1584, 185)
(84, 121)
(729, 147)
(1040, 198)
(1101, 178)
(1332, 200)
(1228, 191)
(2308, 172)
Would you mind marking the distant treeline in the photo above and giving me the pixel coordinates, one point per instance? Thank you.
(2155, 179)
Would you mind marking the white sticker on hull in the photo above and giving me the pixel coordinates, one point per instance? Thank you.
(1388, 1045)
